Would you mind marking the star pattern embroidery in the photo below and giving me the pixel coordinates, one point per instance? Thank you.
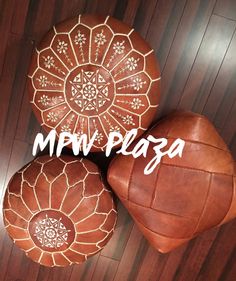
(51, 233)
(89, 90)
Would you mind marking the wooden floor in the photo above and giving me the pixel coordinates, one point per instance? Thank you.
(195, 42)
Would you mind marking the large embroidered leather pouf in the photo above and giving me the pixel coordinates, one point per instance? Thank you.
(94, 73)
(182, 196)
(58, 211)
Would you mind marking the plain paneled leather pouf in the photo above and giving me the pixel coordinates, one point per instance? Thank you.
(92, 74)
(182, 196)
(58, 211)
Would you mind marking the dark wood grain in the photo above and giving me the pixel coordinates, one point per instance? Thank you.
(131, 252)
(118, 242)
(152, 265)
(163, 27)
(219, 254)
(183, 52)
(130, 12)
(195, 256)
(19, 16)
(84, 272)
(195, 42)
(144, 15)
(105, 270)
(172, 264)
(203, 74)
(222, 94)
(6, 13)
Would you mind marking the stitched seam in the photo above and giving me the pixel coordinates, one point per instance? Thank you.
(163, 235)
(204, 206)
(160, 211)
(130, 177)
(155, 185)
(192, 141)
(196, 169)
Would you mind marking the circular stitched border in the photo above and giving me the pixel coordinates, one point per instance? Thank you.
(94, 73)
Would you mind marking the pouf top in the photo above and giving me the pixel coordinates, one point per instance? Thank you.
(58, 210)
(94, 73)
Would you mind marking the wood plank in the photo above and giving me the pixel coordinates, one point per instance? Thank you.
(18, 88)
(152, 265)
(144, 16)
(229, 128)
(5, 250)
(91, 6)
(229, 272)
(195, 256)
(173, 262)
(32, 272)
(232, 146)
(5, 156)
(19, 17)
(183, 52)
(30, 18)
(225, 108)
(19, 262)
(105, 7)
(43, 273)
(101, 7)
(116, 246)
(69, 9)
(226, 8)
(132, 257)
(20, 156)
(207, 64)
(105, 269)
(60, 273)
(43, 19)
(6, 13)
(28, 126)
(120, 9)
(130, 11)
(163, 27)
(222, 94)
(219, 254)
(84, 272)
(7, 80)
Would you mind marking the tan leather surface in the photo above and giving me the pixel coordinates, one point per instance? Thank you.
(58, 210)
(94, 73)
(183, 196)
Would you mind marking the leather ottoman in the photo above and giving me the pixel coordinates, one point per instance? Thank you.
(58, 210)
(183, 196)
(92, 74)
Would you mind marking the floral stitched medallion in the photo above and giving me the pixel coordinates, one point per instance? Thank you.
(51, 230)
(89, 90)
(92, 74)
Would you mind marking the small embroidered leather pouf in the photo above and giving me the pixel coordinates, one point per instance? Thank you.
(94, 73)
(182, 196)
(58, 211)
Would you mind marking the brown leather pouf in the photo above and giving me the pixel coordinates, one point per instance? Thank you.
(58, 211)
(94, 73)
(182, 196)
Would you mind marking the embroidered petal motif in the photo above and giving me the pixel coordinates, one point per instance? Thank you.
(96, 69)
(53, 207)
